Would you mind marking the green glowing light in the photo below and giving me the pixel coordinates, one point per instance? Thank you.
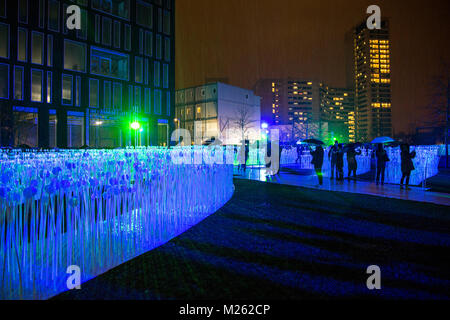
(135, 125)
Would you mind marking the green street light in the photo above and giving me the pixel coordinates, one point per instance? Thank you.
(135, 125)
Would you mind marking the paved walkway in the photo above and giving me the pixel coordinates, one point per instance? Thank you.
(361, 187)
(282, 242)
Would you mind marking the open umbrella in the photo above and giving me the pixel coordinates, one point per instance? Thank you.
(382, 140)
(313, 141)
(353, 145)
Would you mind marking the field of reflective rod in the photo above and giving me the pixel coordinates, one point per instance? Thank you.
(95, 209)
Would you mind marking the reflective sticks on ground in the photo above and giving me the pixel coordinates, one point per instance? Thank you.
(95, 209)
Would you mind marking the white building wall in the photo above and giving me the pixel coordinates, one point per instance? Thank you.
(230, 101)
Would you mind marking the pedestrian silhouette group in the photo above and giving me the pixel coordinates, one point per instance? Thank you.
(336, 158)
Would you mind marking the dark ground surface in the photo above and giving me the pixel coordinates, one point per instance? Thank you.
(280, 242)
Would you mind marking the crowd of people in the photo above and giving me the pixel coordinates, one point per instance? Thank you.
(336, 157)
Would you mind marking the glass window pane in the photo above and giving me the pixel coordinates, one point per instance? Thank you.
(78, 92)
(109, 63)
(67, 87)
(82, 33)
(49, 50)
(3, 8)
(119, 8)
(49, 87)
(37, 42)
(167, 49)
(107, 95)
(36, 85)
(148, 43)
(4, 81)
(41, 13)
(139, 67)
(117, 99)
(75, 130)
(4, 40)
(53, 15)
(74, 56)
(22, 44)
(18, 83)
(23, 11)
(157, 102)
(166, 22)
(97, 28)
(144, 14)
(106, 31)
(137, 98)
(117, 34)
(158, 47)
(93, 93)
(166, 76)
(127, 37)
(157, 74)
(168, 103)
(25, 127)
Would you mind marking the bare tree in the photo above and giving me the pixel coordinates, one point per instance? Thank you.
(243, 119)
(439, 105)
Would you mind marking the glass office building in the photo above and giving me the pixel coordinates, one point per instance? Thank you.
(71, 88)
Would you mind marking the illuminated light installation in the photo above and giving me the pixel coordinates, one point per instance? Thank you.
(95, 209)
(426, 163)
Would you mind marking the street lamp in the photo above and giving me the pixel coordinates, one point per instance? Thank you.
(135, 126)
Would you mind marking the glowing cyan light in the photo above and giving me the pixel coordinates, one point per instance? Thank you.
(135, 125)
(264, 125)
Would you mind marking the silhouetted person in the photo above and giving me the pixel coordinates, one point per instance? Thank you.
(299, 153)
(382, 158)
(340, 163)
(317, 161)
(407, 164)
(351, 161)
(332, 155)
(246, 155)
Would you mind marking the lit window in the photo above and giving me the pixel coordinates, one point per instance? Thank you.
(67, 87)
(109, 63)
(49, 87)
(18, 83)
(37, 43)
(36, 85)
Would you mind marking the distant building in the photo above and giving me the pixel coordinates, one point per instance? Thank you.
(69, 88)
(291, 101)
(369, 72)
(219, 111)
(337, 108)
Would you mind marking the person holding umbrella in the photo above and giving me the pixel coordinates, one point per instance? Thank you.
(407, 165)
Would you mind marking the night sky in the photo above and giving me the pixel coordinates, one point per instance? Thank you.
(244, 40)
